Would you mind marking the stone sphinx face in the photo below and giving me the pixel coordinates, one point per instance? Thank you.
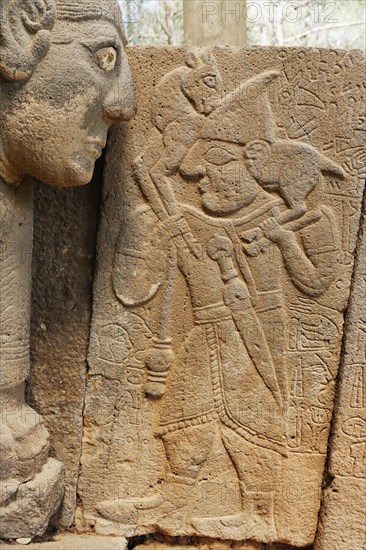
(54, 124)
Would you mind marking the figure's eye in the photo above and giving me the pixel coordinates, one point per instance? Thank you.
(219, 156)
(210, 81)
(106, 58)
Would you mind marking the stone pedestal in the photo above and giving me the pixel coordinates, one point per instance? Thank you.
(31, 484)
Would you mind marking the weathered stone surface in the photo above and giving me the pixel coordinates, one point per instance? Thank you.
(70, 541)
(203, 544)
(27, 514)
(60, 91)
(224, 266)
(343, 519)
(60, 325)
(213, 545)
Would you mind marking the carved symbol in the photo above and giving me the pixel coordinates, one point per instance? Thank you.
(348, 209)
(134, 376)
(319, 422)
(355, 428)
(113, 344)
(297, 386)
(294, 426)
(314, 333)
(361, 340)
(358, 398)
(358, 454)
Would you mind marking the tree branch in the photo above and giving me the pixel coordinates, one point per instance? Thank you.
(324, 28)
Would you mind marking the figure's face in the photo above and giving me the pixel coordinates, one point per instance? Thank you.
(225, 184)
(54, 126)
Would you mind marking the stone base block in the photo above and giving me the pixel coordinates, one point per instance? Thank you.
(70, 541)
(28, 513)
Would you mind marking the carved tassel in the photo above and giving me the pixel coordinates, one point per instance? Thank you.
(159, 361)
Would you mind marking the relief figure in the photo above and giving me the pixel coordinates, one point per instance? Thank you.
(234, 353)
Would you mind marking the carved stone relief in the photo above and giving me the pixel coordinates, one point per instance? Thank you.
(64, 79)
(343, 517)
(224, 266)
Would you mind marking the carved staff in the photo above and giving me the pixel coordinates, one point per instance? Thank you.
(160, 195)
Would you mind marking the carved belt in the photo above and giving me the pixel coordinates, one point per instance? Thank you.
(211, 314)
(271, 299)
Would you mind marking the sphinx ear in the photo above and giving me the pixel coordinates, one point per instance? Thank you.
(24, 35)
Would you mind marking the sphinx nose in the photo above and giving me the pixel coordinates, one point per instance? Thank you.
(120, 102)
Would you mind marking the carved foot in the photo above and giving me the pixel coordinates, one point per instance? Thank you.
(126, 511)
(32, 504)
(240, 526)
(165, 510)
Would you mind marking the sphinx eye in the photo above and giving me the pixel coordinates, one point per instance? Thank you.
(106, 58)
(219, 156)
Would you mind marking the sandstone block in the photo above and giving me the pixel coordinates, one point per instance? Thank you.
(71, 541)
(225, 259)
(343, 518)
(28, 513)
(53, 127)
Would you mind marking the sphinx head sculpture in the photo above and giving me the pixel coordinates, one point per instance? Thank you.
(64, 79)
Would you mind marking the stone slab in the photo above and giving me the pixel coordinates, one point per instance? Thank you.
(214, 545)
(342, 522)
(71, 541)
(202, 261)
(203, 545)
(56, 105)
(65, 232)
(28, 512)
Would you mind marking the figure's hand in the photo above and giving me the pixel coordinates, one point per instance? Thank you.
(255, 248)
(252, 235)
(274, 232)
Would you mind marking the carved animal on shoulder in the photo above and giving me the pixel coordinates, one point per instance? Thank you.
(183, 99)
(294, 171)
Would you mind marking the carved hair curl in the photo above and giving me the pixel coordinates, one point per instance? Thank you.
(24, 35)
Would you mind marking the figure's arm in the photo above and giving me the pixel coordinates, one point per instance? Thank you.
(139, 267)
(311, 267)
